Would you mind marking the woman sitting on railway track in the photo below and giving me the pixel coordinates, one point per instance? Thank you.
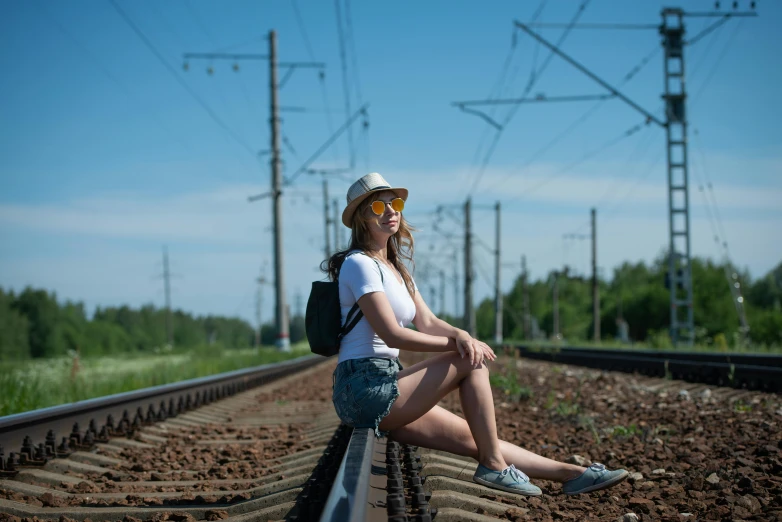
(371, 390)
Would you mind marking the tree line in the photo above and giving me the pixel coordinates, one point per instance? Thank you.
(34, 324)
(636, 294)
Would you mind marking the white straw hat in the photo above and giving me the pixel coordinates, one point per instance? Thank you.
(362, 188)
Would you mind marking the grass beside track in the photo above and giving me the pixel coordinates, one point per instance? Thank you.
(34, 384)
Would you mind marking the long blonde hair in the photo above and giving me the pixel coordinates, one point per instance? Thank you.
(400, 246)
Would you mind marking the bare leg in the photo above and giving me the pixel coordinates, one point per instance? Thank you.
(441, 430)
(423, 385)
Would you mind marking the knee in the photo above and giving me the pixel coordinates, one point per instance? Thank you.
(464, 367)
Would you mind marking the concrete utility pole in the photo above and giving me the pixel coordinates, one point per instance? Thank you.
(497, 289)
(281, 307)
(336, 222)
(167, 290)
(299, 303)
(595, 285)
(259, 304)
(281, 318)
(456, 286)
(556, 305)
(525, 297)
(469, 312)
(327, 221)
(442, 293)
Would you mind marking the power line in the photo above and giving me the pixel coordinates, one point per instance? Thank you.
(632, 73)
(106, 72)
(512, 111)
(499, 88)
(607, 145)
(327, 144)
(300, 23)
(632, 163)
(595, 26)
(321, 75)
(724, 51)
(181, 82)
(345, 84)
(352, 43)
(200, 24)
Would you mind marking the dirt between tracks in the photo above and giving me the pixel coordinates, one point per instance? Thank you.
(695, 452)
(193, 460)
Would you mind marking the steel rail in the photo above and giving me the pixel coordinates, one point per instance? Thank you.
(751, 371)
(31, 438)
(348, 498)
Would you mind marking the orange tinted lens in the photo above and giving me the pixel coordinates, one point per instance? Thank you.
(378, 207)
(398, 204)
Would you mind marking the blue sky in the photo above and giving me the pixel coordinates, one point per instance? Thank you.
(105, 157)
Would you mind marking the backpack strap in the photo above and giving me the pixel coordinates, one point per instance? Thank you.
(355, 314)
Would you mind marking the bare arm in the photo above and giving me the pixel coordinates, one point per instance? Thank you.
(380, 315)
(425, 321)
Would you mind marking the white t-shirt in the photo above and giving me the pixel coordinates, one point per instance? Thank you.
(359, 275)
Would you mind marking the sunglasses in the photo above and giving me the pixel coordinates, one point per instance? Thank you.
(379, 206)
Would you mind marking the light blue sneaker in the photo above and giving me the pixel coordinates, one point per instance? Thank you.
(595, 477)
(510, 479)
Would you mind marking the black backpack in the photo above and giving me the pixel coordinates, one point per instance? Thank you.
(323, 319)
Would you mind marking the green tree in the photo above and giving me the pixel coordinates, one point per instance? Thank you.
(43, 315)
(14, 328)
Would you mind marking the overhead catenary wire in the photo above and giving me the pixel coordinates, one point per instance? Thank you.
(357, 79)
(179, 80)
(632, 73)
(530, 84)
(501, 85)
(345, 82)
(717, 63)
(713, 197)
(607, 145)
(321, 77)
(108, 74)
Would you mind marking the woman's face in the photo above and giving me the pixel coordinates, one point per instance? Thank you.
(386, 224)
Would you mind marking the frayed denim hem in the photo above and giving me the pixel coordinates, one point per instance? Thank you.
(379, 433)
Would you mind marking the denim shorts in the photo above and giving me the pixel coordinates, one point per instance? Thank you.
(364, 391)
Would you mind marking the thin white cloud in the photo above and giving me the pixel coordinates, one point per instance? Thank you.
(218, 240)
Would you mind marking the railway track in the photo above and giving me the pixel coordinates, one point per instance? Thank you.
(750, 371)
(262, 446)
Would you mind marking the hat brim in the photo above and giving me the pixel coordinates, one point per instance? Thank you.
(347, 214)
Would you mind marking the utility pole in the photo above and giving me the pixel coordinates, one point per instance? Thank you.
(281, 318)
(281, 307)
(327, 221)
(556, 306)
(595, 285)
(497, 289)
(679, 265)
(675, 125)
(167, 290)
(525, 297)
(336, 222)
(469, 312)
(299, 302)
(456, 286)
(442, 293)
(259, 304)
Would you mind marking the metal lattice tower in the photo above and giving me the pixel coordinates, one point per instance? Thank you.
(679, 265)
